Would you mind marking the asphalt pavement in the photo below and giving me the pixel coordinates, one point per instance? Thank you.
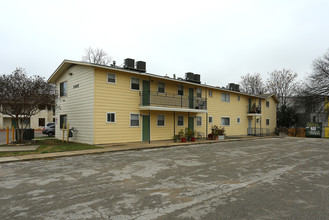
(279, 178)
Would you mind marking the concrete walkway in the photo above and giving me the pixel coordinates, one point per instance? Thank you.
(20, 148)
(120, 147)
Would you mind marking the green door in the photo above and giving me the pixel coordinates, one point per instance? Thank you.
(13, 122)
(146, 128)
(146, 93)
(190, 97)
(191, 123)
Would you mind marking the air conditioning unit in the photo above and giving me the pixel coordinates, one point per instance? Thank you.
(129, 64)
(141, 66)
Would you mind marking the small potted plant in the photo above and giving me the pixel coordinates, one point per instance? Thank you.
(181, 135)
(217, 132)
(175, 138)
(190, 134)
(221, 133)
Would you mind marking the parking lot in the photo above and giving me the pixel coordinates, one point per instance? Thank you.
(277, 178)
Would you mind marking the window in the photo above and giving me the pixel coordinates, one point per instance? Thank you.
(134, 84)
(210, 93)
(63, 89)
(238, 120)
(180, 90)
(199, 92)
(161, 87)
(160, 120)
(180, 120)
(27, 121)
(198, 121)
(62, 120)
(134, 120)
(267, 104)
(111, 78)
(238, 98)
(110, 117)
(267, 121)
(225, 121)
(259, 102)
(210, 119)
(225, 97)
(42, 122)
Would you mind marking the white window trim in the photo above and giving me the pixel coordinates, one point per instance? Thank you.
(211, 118)
(131, 80)
(221, 121)
(196, 92)
(183, 121)
(115, 77)
(164, 88)
(178, 88)
(115, 118)
(164, 121)
(225, 95)
(67, 88)
(237, 120)
(196, 121)
(210, 93)
(139, 120)
(268, 104)
(268, 122)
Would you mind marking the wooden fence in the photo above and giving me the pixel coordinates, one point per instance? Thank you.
(297, 132)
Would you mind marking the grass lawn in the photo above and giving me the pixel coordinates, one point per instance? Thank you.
(50, 146)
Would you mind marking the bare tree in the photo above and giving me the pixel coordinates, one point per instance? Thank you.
(316, 88)
(319, 79)
(252, 84)
(22, 97)
(283, 84)
(96, 56)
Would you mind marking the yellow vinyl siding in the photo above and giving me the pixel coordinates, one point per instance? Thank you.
(118, 98)
(269, 113)
(233, 109)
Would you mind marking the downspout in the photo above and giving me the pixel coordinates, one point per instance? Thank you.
(149, 110)
(181, 97)
(207, 119)
(174, 125)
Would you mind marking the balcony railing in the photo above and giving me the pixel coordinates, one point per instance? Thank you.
(172, 100)
(254, 109)
(258, 131)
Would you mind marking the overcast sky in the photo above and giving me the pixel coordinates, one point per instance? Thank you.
(221, 40)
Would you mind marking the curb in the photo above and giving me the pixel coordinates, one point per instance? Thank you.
(108, 149)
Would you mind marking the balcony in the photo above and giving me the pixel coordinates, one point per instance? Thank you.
(253, 110)
(172, 102)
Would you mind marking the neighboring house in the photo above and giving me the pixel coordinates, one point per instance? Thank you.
(108, 104)
(37, 121)
(308, 110)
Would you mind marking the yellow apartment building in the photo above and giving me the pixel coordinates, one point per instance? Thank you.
(110, 104)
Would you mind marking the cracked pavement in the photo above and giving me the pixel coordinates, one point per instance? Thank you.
(278, 178)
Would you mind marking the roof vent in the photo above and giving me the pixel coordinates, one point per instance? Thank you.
(141, 66)
(129, 64)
